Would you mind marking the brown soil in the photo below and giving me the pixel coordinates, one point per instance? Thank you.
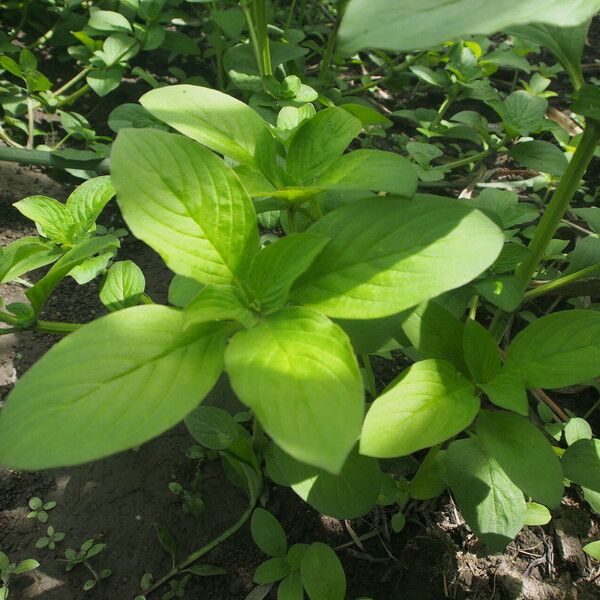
(118, 499)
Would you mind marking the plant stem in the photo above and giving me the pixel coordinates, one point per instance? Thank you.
(145, 299)
(194, 556)
(560, 200)
(49, 159)
(84, 89)
(329, 48)
(69, 84)
(260, 22)
(473, 307)
(366, 361)
(540, 290)
(30, 123)
(443, 109)
(56, 327)
(253, 37)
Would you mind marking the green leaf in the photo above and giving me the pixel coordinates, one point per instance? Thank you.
(412, 250)
(322, 573)
(219, 303)
(185, 203)
(507, 391)
(26, 565)
(291, 587)
(268, 534)
(297, 371)
(482, 354)
(205, 570)
(39, 293)
(213, 427)
(182, 290)
(216, 120)
(137, 375)
(51, 217)
(436, 333)
(557, 350)
(506, 292)
(400, 26)
(491, 504)
(537, 514)
(108, 21)
(398, 522)
(123, 286)
(24, 255)
(523, 113)
(279, 264)
(10, 65)
(593, 549)
(104, 81)
(540, 156)
(577, 429)
(503, 207)
(86, 203)
(587, 102)
(370, 335)
(427, 404)
(430, 480)
(524, 453)
(166, 540)
(373, 170)
(591, 215)
(349, 495)
(272, 570)
(319, 142)
(581, 464)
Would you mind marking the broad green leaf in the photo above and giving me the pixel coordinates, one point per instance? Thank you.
(503, 207)
(108, 21)
(216, 120)
(587, 102)
(219, 303)
(87, 202)
(26, 565)
(373, 170)
(182, 290)
(591, 215)
(185, 203)
(349, 495)
(537, 514)
(90, 268)
(137, 373)
(557, 350)
(297, 371)
(213, 427)
(524, 453)
(322, 573)
(132, 115)
(506, 292)
(491, 504)
(24, 255)
(279, 264)
(540, 156)
(51, 217)
(482, 354)
(39, 293)
(267, 533)
(507, 391)
(272, 570)
(593, 549)
(104, 81)
(577, 429)
(370, 335)
(427, 404)
(291, 587)
(420, 24)
(566, 43)
(436, 333)
(411, 251)
(523, 113)
(319, 142)
(581, 463)
(123, 286)
(592, 498)
(430, 480)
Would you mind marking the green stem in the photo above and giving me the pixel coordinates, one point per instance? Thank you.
(260, 15)
(69, 84)
(56, 327)
(561, 282)
(473, 307)
(366, 361)
(194, 556)
(443, 109)
(30, 123)
(84, 89)
(560, 201)
(329, 49)
(145, 299)
(49, 159)
(253, 37)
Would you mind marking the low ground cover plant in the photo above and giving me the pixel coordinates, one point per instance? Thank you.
(302, 252)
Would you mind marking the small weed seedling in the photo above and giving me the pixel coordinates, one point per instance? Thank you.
(39, 509)
(8, 570)
(87, 551)
(51, 538)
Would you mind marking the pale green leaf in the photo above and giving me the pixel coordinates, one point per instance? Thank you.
(427, 404)
(537, 514)
(51, 217)
(491, 504)
(540, 156)
(297, 371)
(123, 286)
(137, 373)
(185, 203)
(577, 429)
(219, 303)
(213, 427)
(322, 573)
(430, 480)
(87, 201)
(507, 391)
(524, 453)
(24, 255)
(267, 533)
(482, 354)
(581, 463)
(411, 251)
(593, 549)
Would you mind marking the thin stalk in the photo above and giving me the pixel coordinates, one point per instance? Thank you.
(145, 299)
(30, 123)
(253, 37)
(560, 201)
(194, 556)
(260, 22)
(468, 159)
(8, 140)
(288, 22)
(329, 48)
(56, 327)
(74, 96)
(540, 290)
(443, 109)
(49, 159)
(372, 384)
(69, 84)
(473, 307)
